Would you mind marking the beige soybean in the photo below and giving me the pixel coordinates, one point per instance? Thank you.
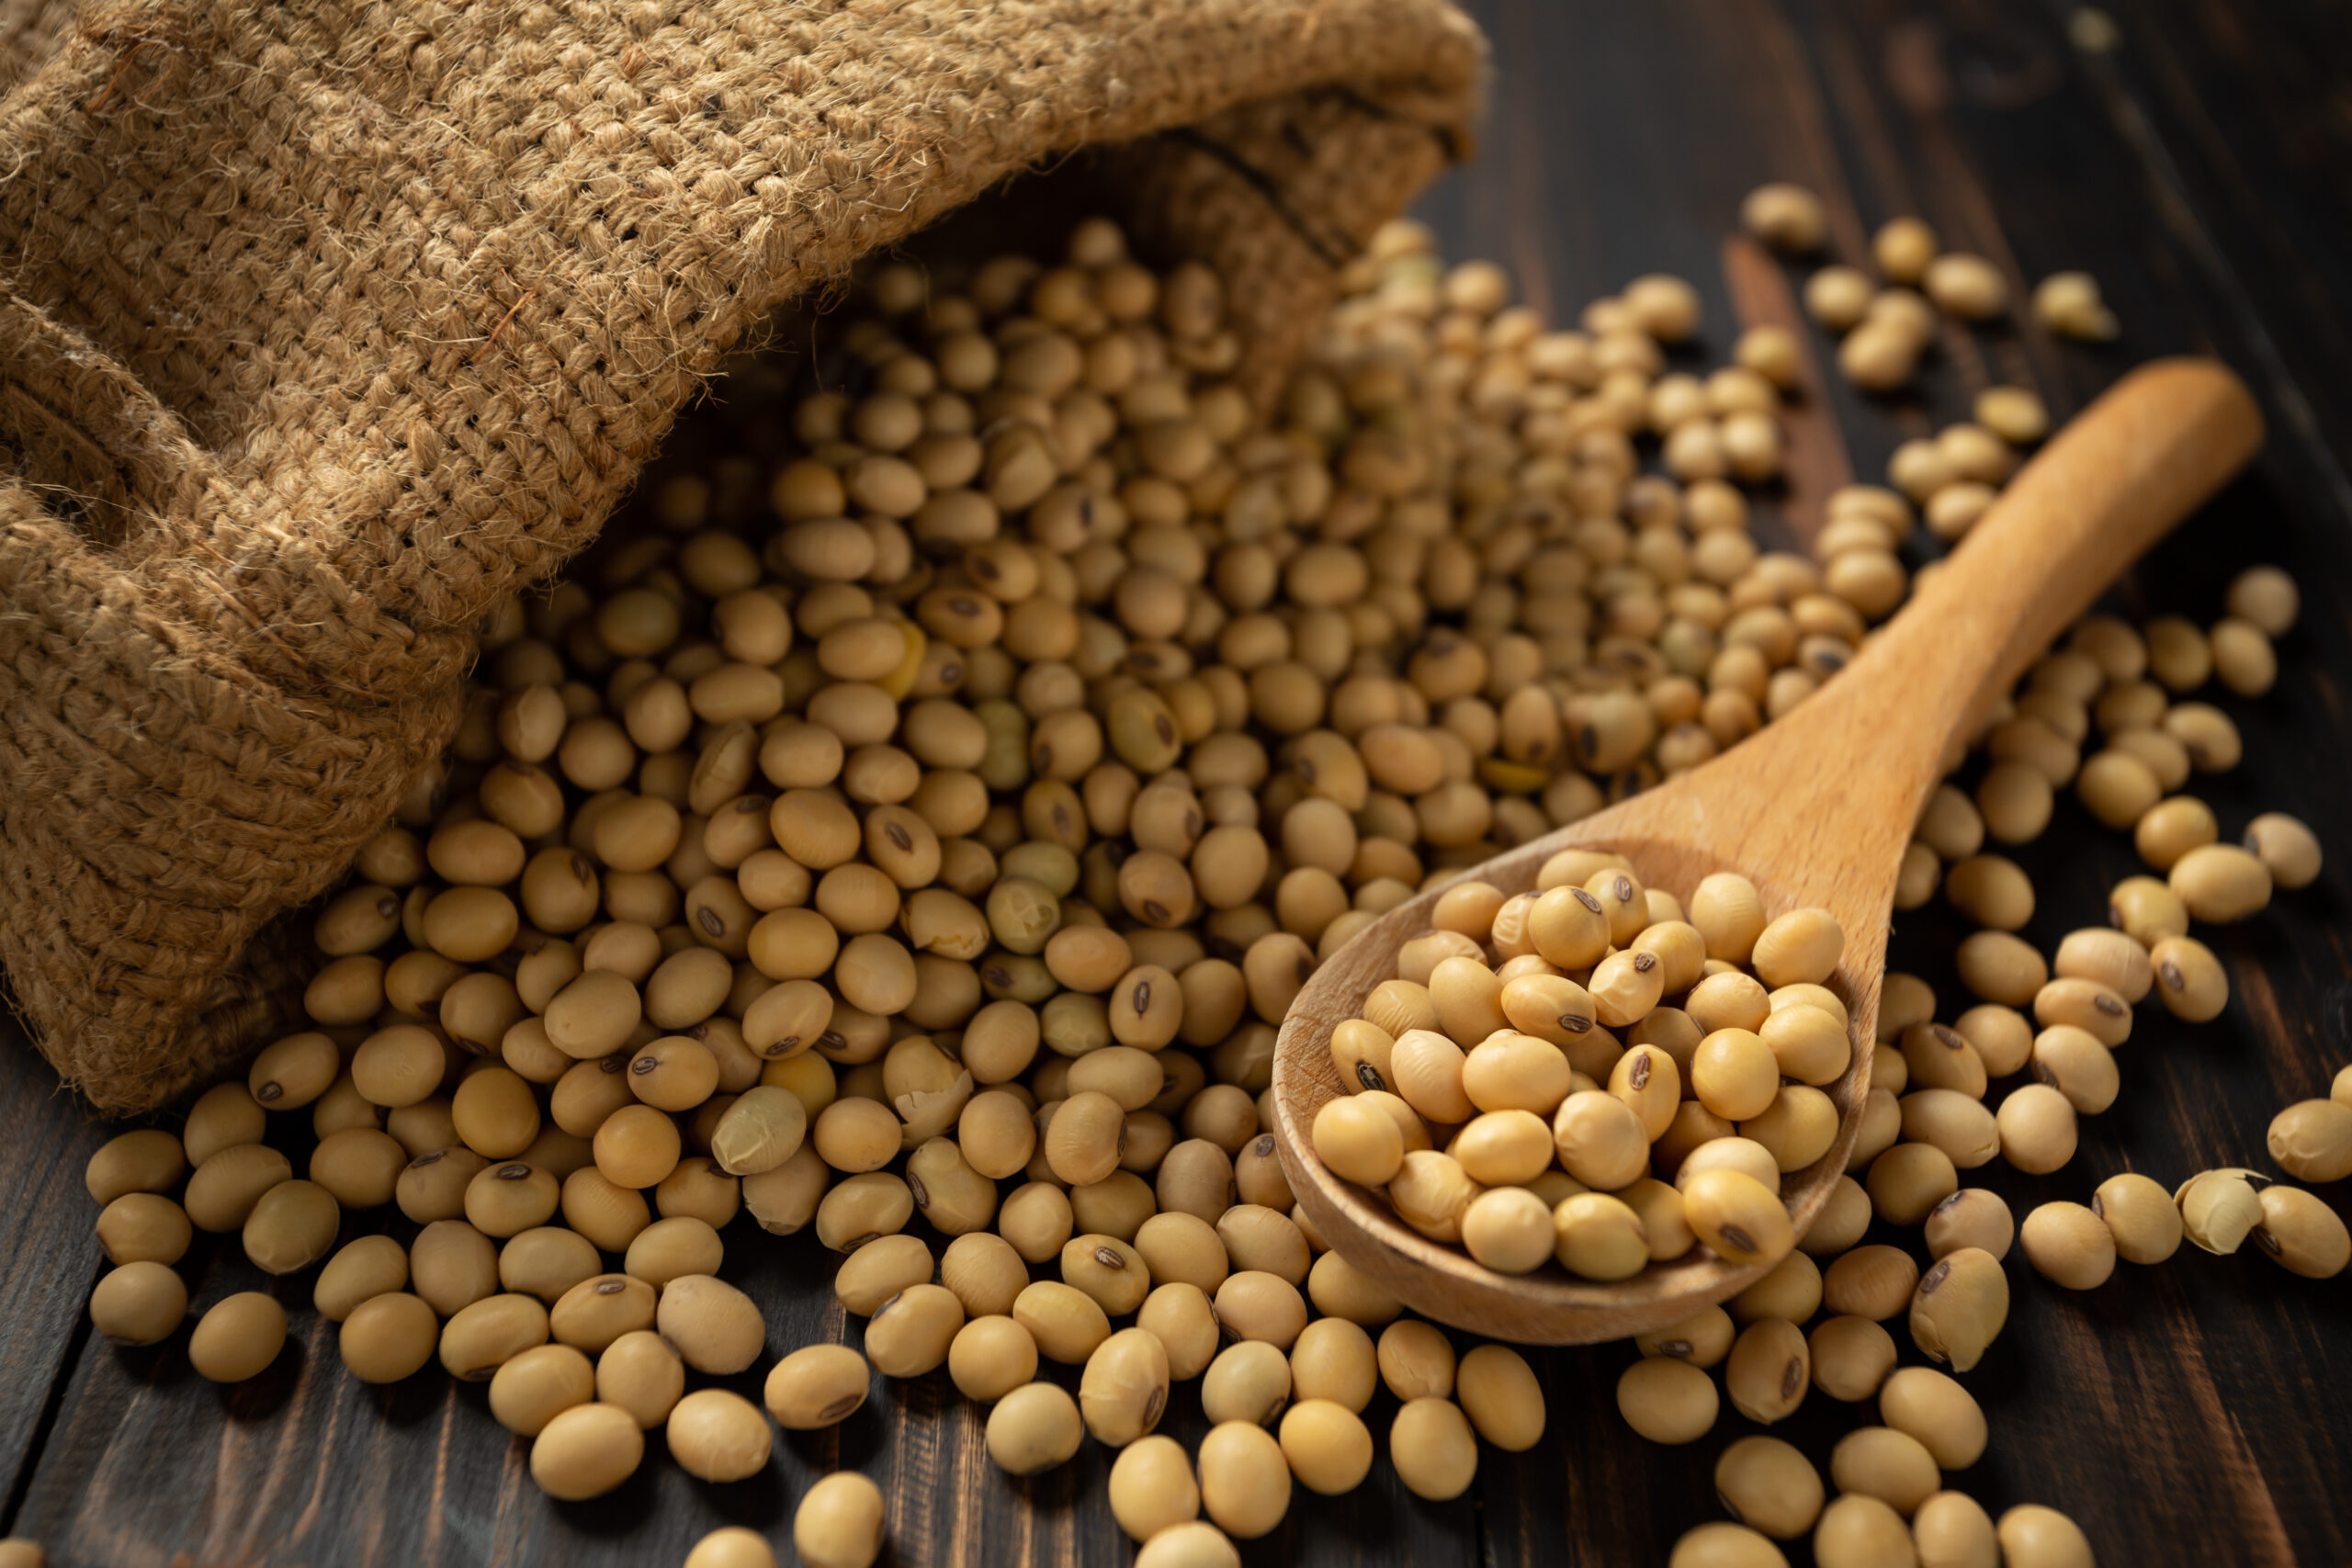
(1327, 1446)
(1808, 1044)
(144, 1227)
(1790, 1288)
(2167, 831)
(1255, 1305)
(989, 1358)
(854, 1212)
(817, 1386)
(1247, 1381)
(1600, 1140)
(1738, 1216)
(1890, 1465)
(2086, 1005)
(2140, 1215)
(1952, 1529)
(2301, 1233)
(1874, 1282)
(717, 1435)
(1177, 1247)
(1430, 1191)
(291, 1226)
(2190, 981)
(2108, 957)
(1186, 1324)
(1245, 1480)
(532, 1388)
(1357, 1141)
(238, 1337)
(1768, 1486)
(1735, 1075)
(435, 1183)
(292, 1072)
(1124, 1388)
(1960, 1308)
(1667, 1401)
(1907, 1181)
(2220, 883)
(1857, 1530)
(2147, 910)
(587, 1451)
(1998, 967)
(1721, 1545)
(1511, 1071)
(2287, 848)
(1598, 1236)
(224, 1191)
(841, 1522)
(388, 1337)
(2312, 1140)
(2001, 1036)
(1152, 1487)
(1702, 1339)
(1499, 1393)
(1659, 1209)
(909, 1333)
(482, 1336)
(507, 1199)
(1844, 1216)
(359, 1167)
(715, 1327)
(398, 1066)
(2078, 1066)
(147, 1160)
(1065, 1323)
(1434, 1450)
(1943, 1417)
(1850, 1357)
(1334, 1360)
(1797, 1128)
(871, 1275)
(1510, 1230)
(2218, 1209)
(1802, 945)
(731, 1546)
(2035, 1537)
(1033, 1428)
(1768, 1371)
(1194, 1543)
(1266, 1240)
(597, 1311)
(226, 1115)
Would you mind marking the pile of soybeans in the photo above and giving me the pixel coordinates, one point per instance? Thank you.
(915, 831)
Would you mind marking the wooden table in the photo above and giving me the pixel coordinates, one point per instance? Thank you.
(2190, 1413)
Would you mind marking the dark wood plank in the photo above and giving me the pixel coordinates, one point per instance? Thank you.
(47, 1251)
(2183, 1413)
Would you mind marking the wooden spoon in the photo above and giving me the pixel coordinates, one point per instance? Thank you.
(1816, 809)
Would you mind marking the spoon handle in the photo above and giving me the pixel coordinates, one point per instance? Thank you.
(2107, 487)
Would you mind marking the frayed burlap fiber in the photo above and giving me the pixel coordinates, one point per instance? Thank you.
(323, 326)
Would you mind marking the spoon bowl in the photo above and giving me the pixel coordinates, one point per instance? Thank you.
(1815, 810)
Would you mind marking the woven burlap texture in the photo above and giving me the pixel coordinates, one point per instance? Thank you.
(323, 326)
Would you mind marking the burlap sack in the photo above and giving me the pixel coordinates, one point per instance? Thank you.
(322, 325)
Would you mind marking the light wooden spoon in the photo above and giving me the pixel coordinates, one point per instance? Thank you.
(1816, 809)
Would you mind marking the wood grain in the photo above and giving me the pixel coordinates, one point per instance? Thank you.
(2191, 1414)
(47, 1251)
(1816, 464)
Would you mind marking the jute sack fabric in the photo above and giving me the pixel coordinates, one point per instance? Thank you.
(322, 326)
